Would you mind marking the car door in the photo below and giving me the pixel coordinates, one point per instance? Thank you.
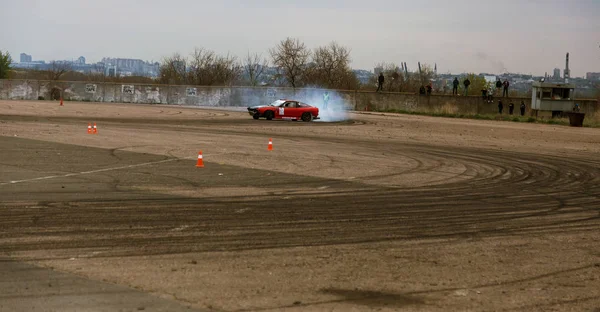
(287, 110)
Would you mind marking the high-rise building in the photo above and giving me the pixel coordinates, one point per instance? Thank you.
(592, 76)
(556, 74)
(25, 58)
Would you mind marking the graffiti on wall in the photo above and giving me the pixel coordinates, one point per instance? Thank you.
(191, 91)
(153, 94)
(127, 89)
(90, 88)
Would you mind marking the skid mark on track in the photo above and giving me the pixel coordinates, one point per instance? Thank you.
(90, 172)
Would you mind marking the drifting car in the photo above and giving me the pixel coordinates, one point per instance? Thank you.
(285, 109)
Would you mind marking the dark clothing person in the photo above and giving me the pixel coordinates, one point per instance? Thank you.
(484, 93)
(500, 107)
(522, 108)
(511, 108)
(506, 84)
(455, 84)
(467, 83)
(422, 90)
(380, 82)
(429, 89)
(498, 84)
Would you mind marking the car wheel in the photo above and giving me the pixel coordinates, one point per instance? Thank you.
(307, 117)
(269, 115)
(256, 116)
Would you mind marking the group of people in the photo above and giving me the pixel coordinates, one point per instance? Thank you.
(484, 92)
(486, 96)
(511, 107)
(427, 89)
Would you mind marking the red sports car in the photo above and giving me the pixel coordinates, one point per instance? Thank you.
(285, 109)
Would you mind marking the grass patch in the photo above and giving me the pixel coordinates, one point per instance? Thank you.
(592, 121)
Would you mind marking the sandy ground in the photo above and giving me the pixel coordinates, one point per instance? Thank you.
(379, 212)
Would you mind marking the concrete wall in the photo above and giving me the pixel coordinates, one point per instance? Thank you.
(249, 96)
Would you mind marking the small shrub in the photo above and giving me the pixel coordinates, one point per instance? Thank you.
(530, 119)
(40, 98)
(516, 119)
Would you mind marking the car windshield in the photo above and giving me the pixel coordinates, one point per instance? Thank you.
(277, 103)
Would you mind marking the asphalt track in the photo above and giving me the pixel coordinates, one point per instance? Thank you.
(505, 194)
(60, 197)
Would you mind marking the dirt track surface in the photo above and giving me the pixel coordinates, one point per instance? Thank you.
(380, 212)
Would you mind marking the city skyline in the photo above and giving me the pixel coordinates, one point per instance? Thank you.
(528, 38)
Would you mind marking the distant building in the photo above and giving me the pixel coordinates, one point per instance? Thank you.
(136, 67)
(81, 60)
(592, 76)
(556, 75)
(25, 58)
(111, 71)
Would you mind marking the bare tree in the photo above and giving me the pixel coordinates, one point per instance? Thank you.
(291, 56)
(225, 70)
(330, 68)
(207, 68)
(254, 66)
(201, 61)
(98, 73)
(332, 61)
(58, 69)
(173, 70)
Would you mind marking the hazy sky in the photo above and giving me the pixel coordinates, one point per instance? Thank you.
(530, 36)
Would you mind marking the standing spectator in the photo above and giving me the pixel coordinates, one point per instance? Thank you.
(380, 82)
(422, 90)
(498, 84)
(505, 84)
(484, 93)
(511, 108)
(455, 84)
(325, 99)
(429, 89)
(522, 108)
(500, 107)
(467, 83)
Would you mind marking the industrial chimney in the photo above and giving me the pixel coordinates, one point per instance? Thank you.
(567, 71)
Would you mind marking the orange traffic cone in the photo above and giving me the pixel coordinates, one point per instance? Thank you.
(89, 128)
(200, 163)
(270, 148)
(95, 129)
(61, 101)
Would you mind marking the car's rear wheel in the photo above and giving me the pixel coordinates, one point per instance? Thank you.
(256, 115)
(269, 115)
(307, 117)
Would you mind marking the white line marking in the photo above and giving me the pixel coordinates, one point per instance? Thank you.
(92, 171)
